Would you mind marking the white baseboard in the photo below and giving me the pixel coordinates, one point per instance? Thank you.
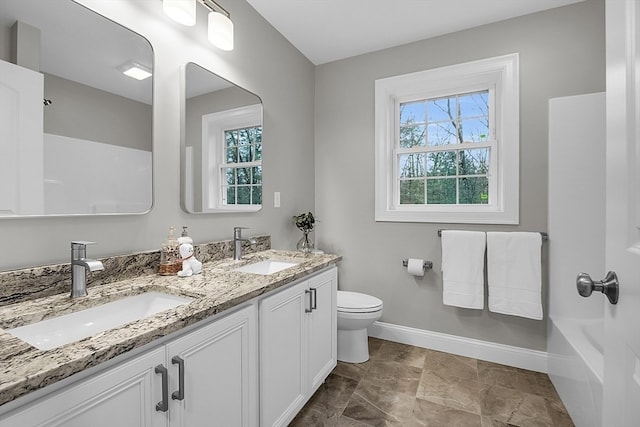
(519, 357)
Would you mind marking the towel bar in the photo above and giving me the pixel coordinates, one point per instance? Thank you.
(545, 236)
(427, 264)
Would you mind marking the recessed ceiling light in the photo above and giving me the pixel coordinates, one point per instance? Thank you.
(136, 71)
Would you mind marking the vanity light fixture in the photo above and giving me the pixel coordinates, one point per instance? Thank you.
(135, 70)
(220, 26)
(181, 11)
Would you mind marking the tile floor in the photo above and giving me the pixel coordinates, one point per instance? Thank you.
(402, 385)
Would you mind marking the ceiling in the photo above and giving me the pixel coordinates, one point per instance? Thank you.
(329, 30)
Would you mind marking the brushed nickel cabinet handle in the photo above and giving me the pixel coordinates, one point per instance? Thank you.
(179, 394)
(163, 405)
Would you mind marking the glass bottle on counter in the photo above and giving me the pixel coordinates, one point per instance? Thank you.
(170, 260)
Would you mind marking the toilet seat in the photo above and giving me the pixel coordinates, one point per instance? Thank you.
(355, 302)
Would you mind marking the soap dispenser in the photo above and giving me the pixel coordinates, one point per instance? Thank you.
(184, 237)
(170, 259)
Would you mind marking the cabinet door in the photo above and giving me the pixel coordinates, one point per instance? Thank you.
(125, 395)
(283, 355)
(220, 373)
(323, 328)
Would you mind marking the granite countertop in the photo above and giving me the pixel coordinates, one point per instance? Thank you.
(23, 368)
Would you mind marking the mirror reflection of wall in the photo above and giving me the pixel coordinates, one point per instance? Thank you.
(222, 145)
(81, 143)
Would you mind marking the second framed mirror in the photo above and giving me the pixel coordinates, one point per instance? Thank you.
(221, 147)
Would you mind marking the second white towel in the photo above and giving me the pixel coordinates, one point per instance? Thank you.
(514, 273)
(463, 268)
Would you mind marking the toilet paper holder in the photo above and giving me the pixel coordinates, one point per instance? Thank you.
(427, 265)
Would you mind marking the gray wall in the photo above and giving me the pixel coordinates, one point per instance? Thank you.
(84, 112)
(561, 53)
(263, 62)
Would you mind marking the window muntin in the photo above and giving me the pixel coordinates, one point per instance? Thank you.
(443, 150)
(241, 170)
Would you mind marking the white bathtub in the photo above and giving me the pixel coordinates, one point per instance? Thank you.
(575, 365)
(576, 203)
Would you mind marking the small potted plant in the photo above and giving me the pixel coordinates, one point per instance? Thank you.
(304, 222)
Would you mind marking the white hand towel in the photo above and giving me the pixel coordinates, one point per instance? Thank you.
(463, 268)
(514, 273)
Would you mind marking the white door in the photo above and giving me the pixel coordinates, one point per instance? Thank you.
(622, 321)
(21, 125)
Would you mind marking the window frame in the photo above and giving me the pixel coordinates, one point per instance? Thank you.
(214, 126)
(499, 75)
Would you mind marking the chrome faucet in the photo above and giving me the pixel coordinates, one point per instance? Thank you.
(79, 265)
(237, 242)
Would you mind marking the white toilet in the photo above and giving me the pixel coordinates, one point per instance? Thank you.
(356, 312)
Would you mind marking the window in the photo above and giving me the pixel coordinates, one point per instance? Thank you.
(232, 159)
(444, 150)
(242, 167)
(447, 144)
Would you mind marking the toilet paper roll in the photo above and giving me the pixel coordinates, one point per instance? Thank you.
(415, 267)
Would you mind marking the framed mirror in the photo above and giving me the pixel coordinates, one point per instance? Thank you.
(221, 152)
(75, 130)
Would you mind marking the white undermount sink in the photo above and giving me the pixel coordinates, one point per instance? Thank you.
(57, 331)
(266, 267)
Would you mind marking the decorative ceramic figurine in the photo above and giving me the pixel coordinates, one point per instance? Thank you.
(190, 265)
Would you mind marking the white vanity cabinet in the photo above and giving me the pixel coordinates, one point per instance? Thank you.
(298, 333)
(219, 385)
(209, 375)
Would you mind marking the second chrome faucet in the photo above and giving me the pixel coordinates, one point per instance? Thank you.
(237, 242)
(80, 264)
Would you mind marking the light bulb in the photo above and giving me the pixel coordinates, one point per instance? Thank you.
(182, 11)
(220, 31)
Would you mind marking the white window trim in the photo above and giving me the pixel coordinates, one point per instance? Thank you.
(213, 128)
(498, 74)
